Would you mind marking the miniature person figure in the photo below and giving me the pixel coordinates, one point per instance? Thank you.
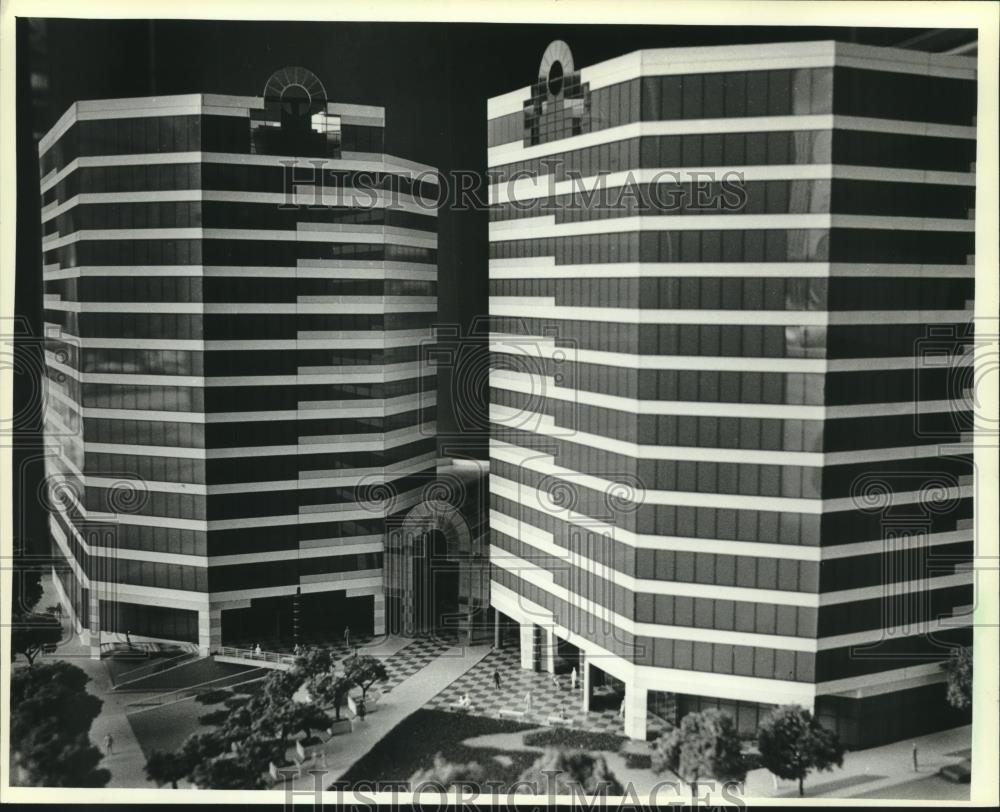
(555, 682)
(496, 677)
(347, 636)
(527, 700)
(572, 678)
(621, 709)
(916, 764)
(109, 744)
(256, 650)
(128, 639)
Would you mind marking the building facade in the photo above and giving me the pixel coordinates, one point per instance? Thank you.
(236, 294)
(731, 300)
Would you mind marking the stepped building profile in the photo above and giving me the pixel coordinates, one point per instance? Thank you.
(236, 291)
(731, 300)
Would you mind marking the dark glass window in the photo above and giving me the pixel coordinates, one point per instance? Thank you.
(910, 97)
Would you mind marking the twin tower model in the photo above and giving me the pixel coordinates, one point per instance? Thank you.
(731, 298)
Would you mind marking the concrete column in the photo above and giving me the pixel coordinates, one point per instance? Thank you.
(635, 712)
(378, 620)
(550, 651)
(528, 646)
(209, 630)
(587, 689)
(496, 629)
(94, 624)
(68, 608)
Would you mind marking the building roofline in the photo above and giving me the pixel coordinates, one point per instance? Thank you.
(188, 104)
(755, 56)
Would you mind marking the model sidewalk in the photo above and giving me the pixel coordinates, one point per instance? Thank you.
(127, 762)
(408, 696)
(884, 772)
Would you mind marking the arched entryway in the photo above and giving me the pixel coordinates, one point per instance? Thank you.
(436, 575)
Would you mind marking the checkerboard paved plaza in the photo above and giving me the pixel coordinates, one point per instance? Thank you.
(412, 658)
(515, 683)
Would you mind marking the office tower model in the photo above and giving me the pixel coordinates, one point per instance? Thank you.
(731, 300)
(236, 290)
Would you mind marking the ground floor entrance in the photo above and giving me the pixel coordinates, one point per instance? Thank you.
(278, 624)
(435, 586)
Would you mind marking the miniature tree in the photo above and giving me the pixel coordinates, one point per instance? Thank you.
(330, 689)
(793, 743)
(227, 773)
(51, 712)
(364, 671)
(166, 768)
(703, 745)
(959, 669)
(314, 662)
(30, 634)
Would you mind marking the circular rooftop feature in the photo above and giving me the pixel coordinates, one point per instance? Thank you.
(297, 89)
(557, 63)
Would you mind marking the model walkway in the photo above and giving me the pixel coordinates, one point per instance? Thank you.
(126, 762)
(407, 696)
(882, 772)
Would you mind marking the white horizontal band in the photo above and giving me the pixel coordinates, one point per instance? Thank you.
(514, 151)
(361, 373)
(541, 578)
(346, 339)
(544, 425)
(327, 196)
(362, 407)
(304, 269)
(758, 549)
(545, 308)
(535, 387)
(307, 480)
(373, 162)
(521, 188)
(535, 228)
(331, 444)
(701, 683)
(326, 233)
(544, 464)
(343, 304)
(546, 268)
(535, 346)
